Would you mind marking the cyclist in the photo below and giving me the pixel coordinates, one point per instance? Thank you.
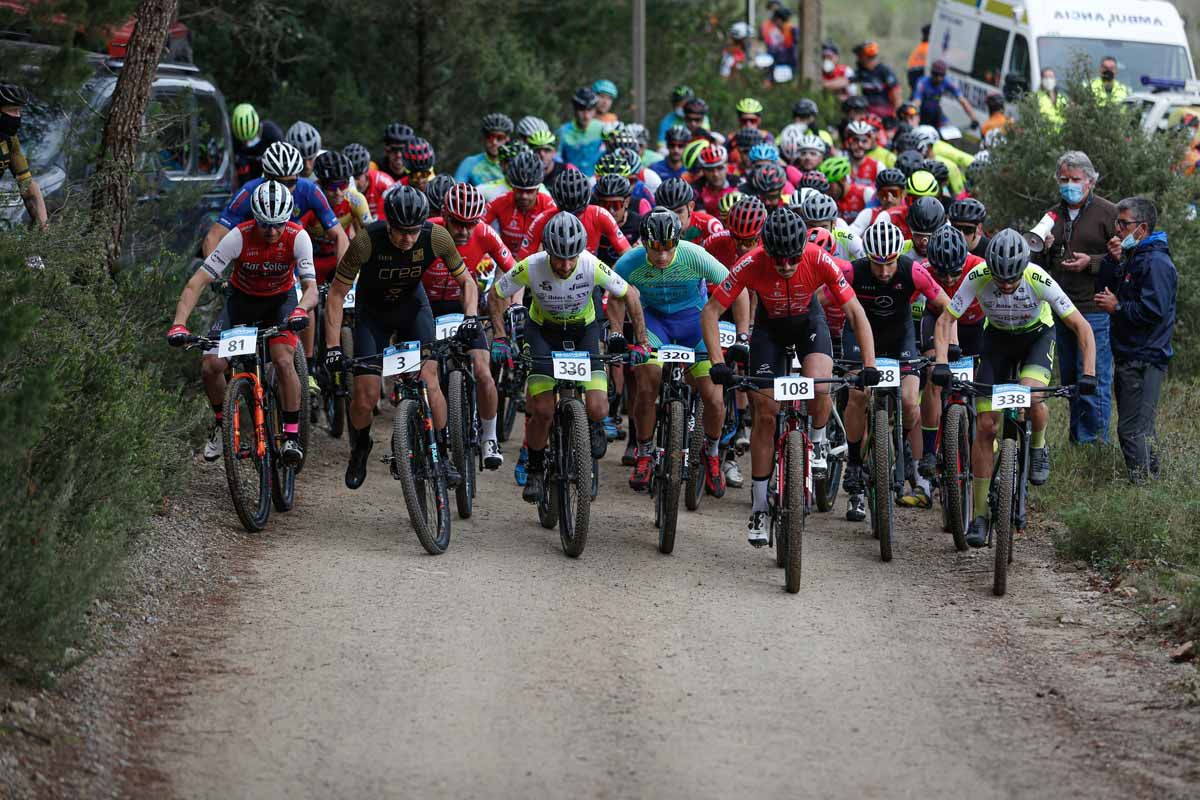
(370, 182)
(678, 196)
(890, 200)
(419, 161)
(545, 144)
(493, 189)
(621, 163)
(483, 167)
(885, 281)
(928, 94)
(482, 250)
(395, 137)
(264, 257)
(714, 183)
(679, 95)
(527, 126)
(435, 192)
(642, 136)
(1020, 301)
(307, 140)
(811, 151)
(858, 139)
(851, 197)
(785, 271)
(571, 193)
(562, 280)
(672, 166)
(251, 138)
(769, 183)
(613, 193)
(968, 215)
(606, 95)
(579, 140)
(12, 98)
(671, 277)
(820, 211)
(388, 261)
(512, 213)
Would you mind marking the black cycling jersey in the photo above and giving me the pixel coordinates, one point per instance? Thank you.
(631, 227)
(888, 305)
(247, 159)
(389, 277)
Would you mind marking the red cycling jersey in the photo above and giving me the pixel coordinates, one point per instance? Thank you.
(974, 313)
(510, 222)
(377, 183)
(866, 171)
(853, 201)
(708, 197)
(783, 297)
(702, 226)
(596, 221)
(260, 268)
(440, 285)
(835, 315)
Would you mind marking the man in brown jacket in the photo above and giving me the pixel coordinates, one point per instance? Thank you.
(1076, 245)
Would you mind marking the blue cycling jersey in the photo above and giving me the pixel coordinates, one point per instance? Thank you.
(681, 286)
(307, 196)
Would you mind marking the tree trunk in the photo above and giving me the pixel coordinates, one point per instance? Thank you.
(809, 61)
(122, 130)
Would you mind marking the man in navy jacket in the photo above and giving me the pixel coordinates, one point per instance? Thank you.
(1136, 285)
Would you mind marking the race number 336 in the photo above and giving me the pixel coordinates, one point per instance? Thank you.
(237, 342)
(572, 365)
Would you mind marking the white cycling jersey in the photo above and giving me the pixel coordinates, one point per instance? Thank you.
(566, 301)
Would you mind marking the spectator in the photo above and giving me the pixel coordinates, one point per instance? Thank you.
(835, 77)
(606, 95)
(1050, 102)
(579, 141)
(1137, 288)
(778, 33)
(1106, 87)
(997, 120)
(876, 81)
(930, 91)
(734, 57)
(1073, 251)
(917, 59)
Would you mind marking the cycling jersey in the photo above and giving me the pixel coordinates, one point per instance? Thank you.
(580, 147)
(631, 227)
(306, 194)
(665, 171)
(974, 314)
(561, 301)
(377, 183)
(11, 157)
(510, 222)
(1037, 299)
(352, 212)
(898, 216)
(247, 156)
(854, 200)
(390, 278)
(708, 198)
(887, 303)
(596, 221)
(482, 248)
(864, 174)
(850, 246)
(493, 189)
(680, 286)
(701, 226)
(260, 268)
(782, 297)
(478, 169)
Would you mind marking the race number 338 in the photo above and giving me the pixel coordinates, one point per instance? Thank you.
(237, 342)
(571, 365)
(889, 372)
(1009, 395)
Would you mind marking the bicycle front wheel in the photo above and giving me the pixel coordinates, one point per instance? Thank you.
(695, 470)
(458, 406)
(283, 477)
(956, 473)
(305, 404)
(795, 476)
(574, 487)
(246, 468)
(672, 477)
(421, 479)
(881, 482)
(1002, 533)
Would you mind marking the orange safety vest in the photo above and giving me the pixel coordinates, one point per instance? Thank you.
(917, 59)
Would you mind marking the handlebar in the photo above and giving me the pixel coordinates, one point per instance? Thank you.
(974, 389)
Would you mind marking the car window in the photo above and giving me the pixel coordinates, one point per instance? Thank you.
(989, 54)
(210, 136)
(1018, 60)
(169, 129)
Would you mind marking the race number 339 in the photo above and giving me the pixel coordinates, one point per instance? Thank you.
(728, 335)
(237, 342)
(1009, 395)
(793, 388)
(571, 365)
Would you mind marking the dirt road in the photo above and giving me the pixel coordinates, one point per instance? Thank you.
(354, 665)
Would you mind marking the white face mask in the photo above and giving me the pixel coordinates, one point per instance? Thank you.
(827, 65)
(1048, 84)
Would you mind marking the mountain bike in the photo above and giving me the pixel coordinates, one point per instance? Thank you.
(955, 434)
(335, 387)
(676, 420)
(510, 378)
(693, 490)
(456, 373)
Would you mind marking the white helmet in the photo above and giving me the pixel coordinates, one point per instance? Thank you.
(860, 128)
(740, 30)
(883, 241)
(810, 141)
(789, 141)
(282, 160)
(305, 138)
(272, 203)
(529, 125)
(927, 134)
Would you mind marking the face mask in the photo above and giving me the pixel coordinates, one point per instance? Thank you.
(1072, 193)
(1048, 84)
(9, 125)
(1128, 243)
(827, 65)
(1108, 74)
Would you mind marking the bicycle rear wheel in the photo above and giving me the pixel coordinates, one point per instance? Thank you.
(956, 473)
(421, 480)
(694, 492)
(672, 477)
(459, 407)
(247, 471)
(795, 472)
(506, 408)
(826, 489)
(1002, 532)
(880, 485)
(574, 489)
(283, 477)
(305, 405)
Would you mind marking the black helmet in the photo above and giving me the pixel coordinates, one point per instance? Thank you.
(767, 178)
(524, 171)
(612, 186)
(967, 210)
(13, 95)
(360, 158)
(747, 138)
(695, 106)
(814, 180)
(908, 140)
(784, 234)
(397, 133)
(678, 133)
(947, 251)
(855, 103)
(435, 191)
(818, 208)
(674, 193)
(583, 98)
(1007, 255)
(331, 166)
(564, 235)
(926, 215)
(909, 161)
(890, 177)
(938, 169)
(405, 206)
(571, 190)
(495, 123)
(661, 226)
(804, 108)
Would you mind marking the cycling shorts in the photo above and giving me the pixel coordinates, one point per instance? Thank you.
(1008, 357)
(248, 309)
(374, 330)
(900, 345)
(544, 340)
(681, 328)
(809, 334)
(970, 337)
(440, 307)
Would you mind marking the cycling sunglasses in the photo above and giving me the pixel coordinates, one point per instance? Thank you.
(270, 226)
(748, 241)
(420, 174)
(500, 138)
(891, 192)
(966, 230)
(670, 244)
(335, 186)
(394, 149)
(612, 203)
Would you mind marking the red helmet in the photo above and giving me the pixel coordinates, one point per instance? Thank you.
(464, 203)
(713, 156)
(823, 239)
(418, 155)
(746, 218)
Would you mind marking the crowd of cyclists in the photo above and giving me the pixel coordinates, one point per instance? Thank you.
(840, 246)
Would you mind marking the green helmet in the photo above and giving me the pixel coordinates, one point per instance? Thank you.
(245, 122)
(542, 139)
(748, 105)
(692, 152)
(835, 169)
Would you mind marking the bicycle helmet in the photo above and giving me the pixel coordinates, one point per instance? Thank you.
(890, 177)
(823, 239)
(784, 234)
(571, 190)
(764, 152)
(746, 218)
(749, 106)
(674, 193)
(613, 163)
(464, 203)
(767, 179)
(1007, 255)
(405, 206)
(947, 251)
(747, 138)
(680, 93)
(814, 181)
(909, 161)
(677, 133)
(968, 210)
(583, 98)
(818, 208)
(244, 120)
(859, 128)
(435, 191)
(804, 108)
(397, 133)
(612, 186)
(728, 201)
(305, 138)
(495, 123)
(810, 141)
(712, 157)
(623, 142)
(541, 140)
(835, 169)
(525, 171)
(691, 152)
(661, 227)
(528, 125)
(13, 95)
(883, 241)
(908, 140)
(419, 155)
(922, 184)
(607, 87)
(610, 129)
(789, 140)
(695, 106)
(855, 103)
(927, 135)
(281, 160)
(639, 133)
(359, 156)
(510, 149)
(272, 203)
(937, 169)
(564, 236)
(740, 30)
(926, 215)
(332, 165)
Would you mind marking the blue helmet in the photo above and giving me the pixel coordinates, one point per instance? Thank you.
(607, 87)
(764, 152)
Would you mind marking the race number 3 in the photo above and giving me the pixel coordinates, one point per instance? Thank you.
(728, 335)
(676, 353)
(1009, 395)
(572, 365)
(795, 387)
(447, 325)
(401, 358)
(963, 369)
(889, 372)
(237, 342)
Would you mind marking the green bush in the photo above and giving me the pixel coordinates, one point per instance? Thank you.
(94, 431)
